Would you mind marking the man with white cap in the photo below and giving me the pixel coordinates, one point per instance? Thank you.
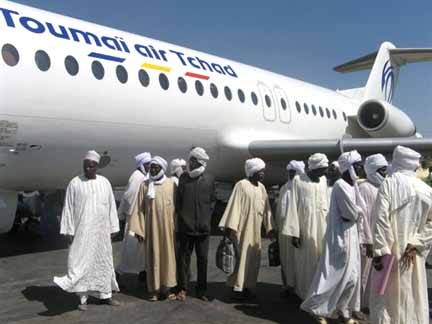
(132, 254)
(403, 228)
(153, 222)
(286, 249)
(376, 169)
(194, 206)
(89, 219)
(335, 289)
(306, 220)
(248, 207)
(177, 168)
(333, 174)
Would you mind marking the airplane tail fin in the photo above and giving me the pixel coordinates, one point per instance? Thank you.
(384, 65)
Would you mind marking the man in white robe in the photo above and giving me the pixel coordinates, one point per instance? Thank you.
(376, 170)
(177, 168)
(89, 219)
(132, 252)
(335, 289)
(248, 208)
(403, 228)
(286, 249)
(306, 221)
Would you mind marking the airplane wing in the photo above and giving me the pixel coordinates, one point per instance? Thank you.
(301, 149)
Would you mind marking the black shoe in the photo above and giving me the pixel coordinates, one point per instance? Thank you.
(110, 302)
(203, 297)
(142, 276)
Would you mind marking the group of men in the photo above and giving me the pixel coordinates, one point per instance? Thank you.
(336, 237)
(335, 222)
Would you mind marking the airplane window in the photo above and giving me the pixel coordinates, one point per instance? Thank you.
(314, 111)
(321, 111)
(334, 114)
(71, 65)
(42, 60)
(228, 93)
(306, 108)
(298, 107)
(254, 98)
(143, 78)
(328, 113)
(98, 70)
(241, 95)
(182, 84)
(199, 87)
(163, 81)
(268, 101)
(283, 104)
(10, 54)
(344, 116)
(122, 74)
(214, 90)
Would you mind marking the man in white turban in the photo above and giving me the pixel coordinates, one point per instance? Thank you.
(333, 174)
(335, 289)
(177, 168)
(153, 222)
(286, 249)
(403, 228)
(89, 219)
(132, 254)
(376, 169)
(248, 207)
(306, 220)
(194, 206)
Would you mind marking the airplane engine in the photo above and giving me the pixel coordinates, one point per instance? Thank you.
(381, 119)
(8, 205)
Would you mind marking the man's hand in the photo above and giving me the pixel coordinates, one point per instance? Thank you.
(295, 241)
(377, 263)
(369, 250)
(408, 258)
(139, 238)
(69, 239)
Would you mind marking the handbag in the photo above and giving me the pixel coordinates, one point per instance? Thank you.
(226, 256)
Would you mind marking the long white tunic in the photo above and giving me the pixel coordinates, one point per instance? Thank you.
(336, 285)
(403, 215)
(132, 252)
(369, 192)
(90, 216)
(307, 219)
(286, 249)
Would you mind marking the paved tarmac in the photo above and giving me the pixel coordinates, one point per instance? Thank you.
(28, 295)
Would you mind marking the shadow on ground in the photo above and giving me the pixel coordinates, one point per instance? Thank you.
(55, 300)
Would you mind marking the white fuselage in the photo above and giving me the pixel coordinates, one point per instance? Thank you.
(51, 118)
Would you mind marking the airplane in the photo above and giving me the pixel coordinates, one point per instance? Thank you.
(68, 86)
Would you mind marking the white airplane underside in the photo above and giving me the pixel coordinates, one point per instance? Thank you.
(68, 86)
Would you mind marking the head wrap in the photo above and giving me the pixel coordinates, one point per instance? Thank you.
(158, 178)
(200, 154)
(142, 159)
(297, 166)
(372, 164)
(176, 167)
(317, 161)
(346, 160)
(92, 156)
(336, 165)
(254, 165)
(405, 158)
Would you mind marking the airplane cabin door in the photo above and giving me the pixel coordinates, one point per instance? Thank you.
(283, 105)
(267, 102)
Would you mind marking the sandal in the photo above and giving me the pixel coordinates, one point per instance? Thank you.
(172, 296)
(181, 296)
(153, 298)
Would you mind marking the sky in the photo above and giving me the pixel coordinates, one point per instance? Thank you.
(302, 39)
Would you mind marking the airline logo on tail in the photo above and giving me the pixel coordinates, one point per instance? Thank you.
(387, 81)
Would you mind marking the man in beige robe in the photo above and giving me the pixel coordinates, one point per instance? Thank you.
(306, 221)
(248, 207)
(153, 221)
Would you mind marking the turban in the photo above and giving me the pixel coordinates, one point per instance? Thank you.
(373, 163)
(336, 165)
(318, 161)
(142, 159)
(92, 156)
(176, 167)
(347, 159)
(298, 166)
(405, 158)
(254, 165)
(159, 161)
(199, 154)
